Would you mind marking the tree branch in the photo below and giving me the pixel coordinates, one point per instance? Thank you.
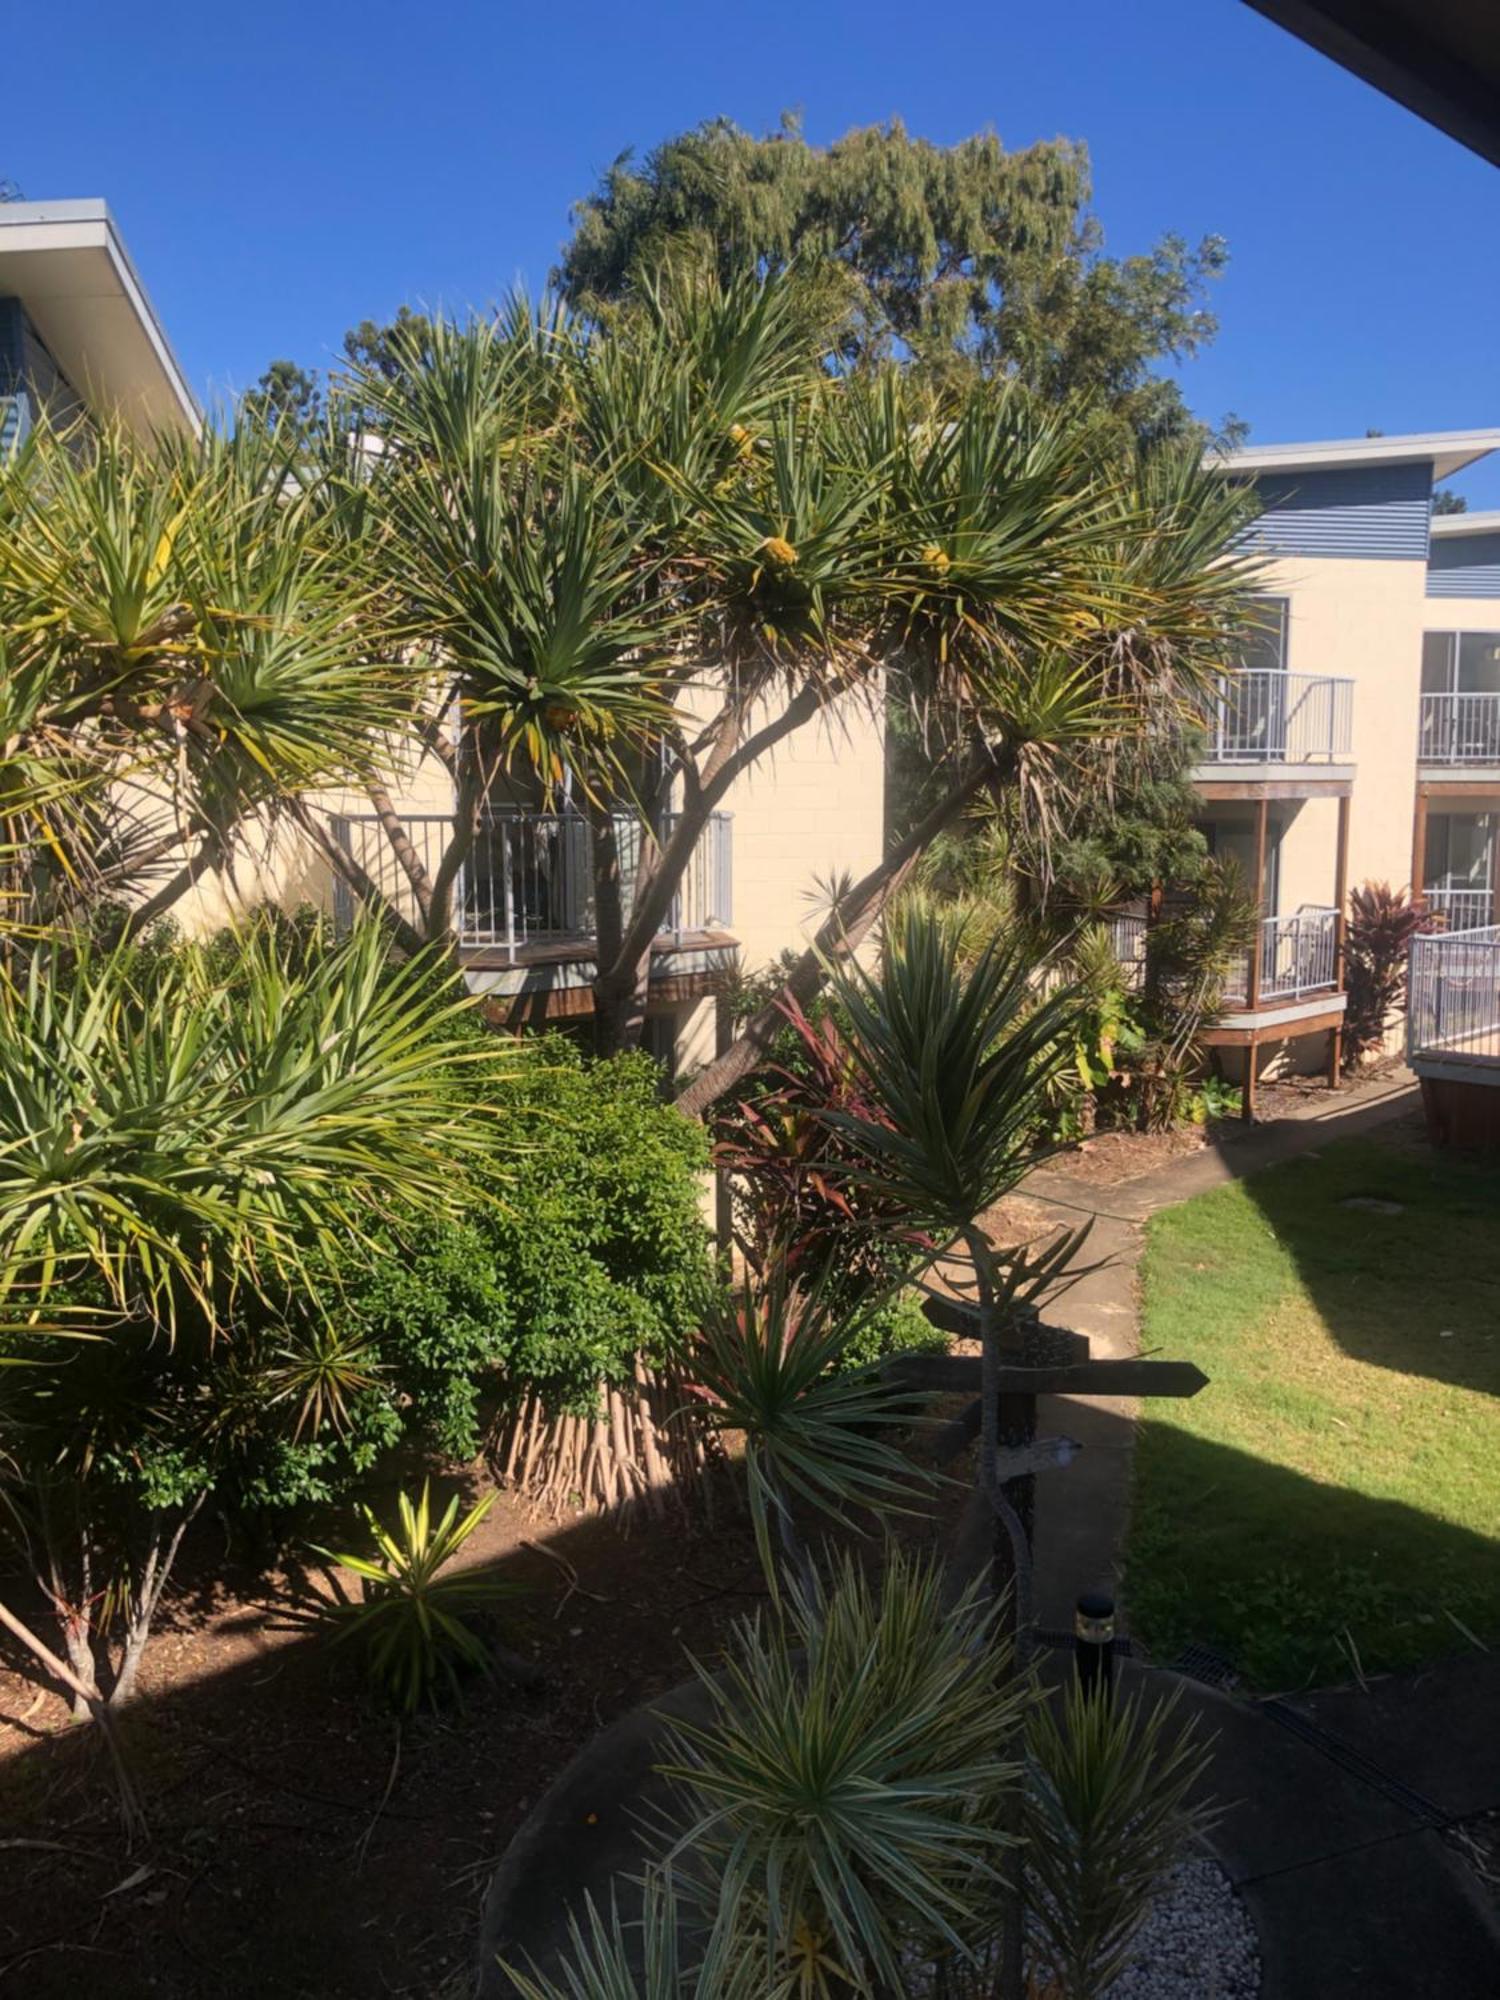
(407, 937)
(401, 846)
(839, 937)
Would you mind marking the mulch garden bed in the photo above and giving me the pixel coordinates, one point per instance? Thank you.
(293, 1850)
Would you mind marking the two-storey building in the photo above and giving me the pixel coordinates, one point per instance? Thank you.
(1361, 740)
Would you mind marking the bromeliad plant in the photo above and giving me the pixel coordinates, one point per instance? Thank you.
(412, 1623)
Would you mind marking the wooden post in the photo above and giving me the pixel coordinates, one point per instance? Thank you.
(1340, 898)
(1419, 846)
(1252, 985)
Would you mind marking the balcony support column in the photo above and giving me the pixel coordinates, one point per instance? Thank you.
(1340, 898)
(1252, 984)
(1419, 847)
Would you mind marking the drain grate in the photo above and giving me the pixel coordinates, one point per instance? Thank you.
(1202, 1663)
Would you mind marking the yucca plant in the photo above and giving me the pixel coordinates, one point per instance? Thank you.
(841, 1808)
(604, 1952)
(1109, 1809)
(188, 646)
(768, 1369)
(955, 1060)
(412, 1624)
(175, 1134)
(187, 1135)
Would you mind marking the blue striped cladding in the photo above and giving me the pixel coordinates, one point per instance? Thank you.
(1464, 566)
(1380, 511)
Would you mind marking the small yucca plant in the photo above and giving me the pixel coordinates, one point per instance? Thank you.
(768, 1367)
(603, 1953)
(411, 1622)
(1108, 1811)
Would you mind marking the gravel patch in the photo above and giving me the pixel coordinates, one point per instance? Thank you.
(1198, 1943)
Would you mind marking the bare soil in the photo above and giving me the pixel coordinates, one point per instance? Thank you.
(300, 1843)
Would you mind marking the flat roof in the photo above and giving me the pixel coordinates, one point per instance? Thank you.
(1440, 58)
(1446, 451)
(67, 263)
(1484, 522)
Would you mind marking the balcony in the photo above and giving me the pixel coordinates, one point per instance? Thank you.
(1262, 716)
(1453, 1033)
(1461, 909)
(1459, 730)
(1298, 957)
(527, 890)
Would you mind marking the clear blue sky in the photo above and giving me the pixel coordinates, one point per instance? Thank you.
(282, 171)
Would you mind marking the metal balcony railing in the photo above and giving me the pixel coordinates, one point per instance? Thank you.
(529, 879)
(1262, 716)
(1298, 956)
(1461, 909)
(1453, 995)
(1459, 729)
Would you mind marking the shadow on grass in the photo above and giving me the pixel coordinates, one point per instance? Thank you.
(1297, 1582)
(1398, 1247)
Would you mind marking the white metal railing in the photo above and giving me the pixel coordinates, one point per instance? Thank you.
(1298, 955)
(1461, 909)
(1127, 933)
(1459, 729)
(1453, 994)
(1263, 716)
(529, 878)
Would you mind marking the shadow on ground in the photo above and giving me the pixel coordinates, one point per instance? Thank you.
(1219, 1556)
(1398, 1246)
(292, 1850)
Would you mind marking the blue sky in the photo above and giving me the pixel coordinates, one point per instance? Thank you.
(282, 171)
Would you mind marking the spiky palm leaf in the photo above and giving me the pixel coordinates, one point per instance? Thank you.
(170, 1135)
(956, 1060)
(768, 1367)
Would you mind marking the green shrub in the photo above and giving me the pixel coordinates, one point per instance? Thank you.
(898, 1326)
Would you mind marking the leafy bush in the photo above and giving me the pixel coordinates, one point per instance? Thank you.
(1382, 923)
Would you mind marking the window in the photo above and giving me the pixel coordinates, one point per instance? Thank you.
(1265, 643)
(1461, 663)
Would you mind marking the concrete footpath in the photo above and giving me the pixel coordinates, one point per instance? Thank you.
(1082, 1509)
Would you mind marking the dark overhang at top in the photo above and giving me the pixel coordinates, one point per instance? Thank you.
(1440, 58)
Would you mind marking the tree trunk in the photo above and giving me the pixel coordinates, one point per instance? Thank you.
(839, 937)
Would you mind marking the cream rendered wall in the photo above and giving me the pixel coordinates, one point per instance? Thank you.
(1461, 614)
(812, 809)
(1364, 619)
(278, 864)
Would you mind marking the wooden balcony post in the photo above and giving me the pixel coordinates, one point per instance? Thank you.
(1252, 985)
(1419, 846)
(1340, 897)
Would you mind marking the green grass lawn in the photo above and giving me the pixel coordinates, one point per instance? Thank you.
(1332, 1499)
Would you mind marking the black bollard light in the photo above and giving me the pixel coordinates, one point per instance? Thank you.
(1094, 1642)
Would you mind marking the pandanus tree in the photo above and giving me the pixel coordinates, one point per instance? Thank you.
(635, 557)
(187, 655)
